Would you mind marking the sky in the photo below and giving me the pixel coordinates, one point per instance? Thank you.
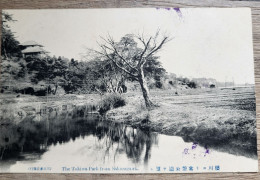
(206, 42)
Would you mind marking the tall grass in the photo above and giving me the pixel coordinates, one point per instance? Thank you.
(111, 101)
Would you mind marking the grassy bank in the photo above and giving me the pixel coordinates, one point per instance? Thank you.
(223, 119)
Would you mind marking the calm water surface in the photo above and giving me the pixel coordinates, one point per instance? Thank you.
(81, 142)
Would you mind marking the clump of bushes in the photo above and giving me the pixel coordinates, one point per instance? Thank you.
(111, 101)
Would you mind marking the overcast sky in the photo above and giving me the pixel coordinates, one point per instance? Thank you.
(209, 42)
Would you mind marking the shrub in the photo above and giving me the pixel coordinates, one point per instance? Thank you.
(192, 84)
(111, 101)
(159, 84)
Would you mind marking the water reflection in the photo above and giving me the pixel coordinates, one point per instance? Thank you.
(35, 134)
(78, 137)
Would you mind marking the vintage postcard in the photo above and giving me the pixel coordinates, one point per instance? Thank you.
(141, 90)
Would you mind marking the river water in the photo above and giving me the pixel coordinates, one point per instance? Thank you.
(79, 142)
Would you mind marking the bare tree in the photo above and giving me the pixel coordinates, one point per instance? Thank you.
(130, 58)
(109, 76)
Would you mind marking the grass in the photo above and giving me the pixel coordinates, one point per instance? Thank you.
(111, 101)
(213, 118)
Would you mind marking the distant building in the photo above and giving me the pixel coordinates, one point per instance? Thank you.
(33, 49)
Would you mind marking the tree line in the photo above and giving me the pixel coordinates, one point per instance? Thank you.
(131, 59)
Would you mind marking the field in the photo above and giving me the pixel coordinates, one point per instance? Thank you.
(219, 118)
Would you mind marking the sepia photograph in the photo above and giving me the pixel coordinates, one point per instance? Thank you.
(127, 90)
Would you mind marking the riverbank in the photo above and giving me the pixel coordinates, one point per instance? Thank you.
(15, 107)
(221, 119)
(213, 118)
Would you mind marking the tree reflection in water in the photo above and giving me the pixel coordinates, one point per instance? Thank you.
(133, 142)
(35, 133)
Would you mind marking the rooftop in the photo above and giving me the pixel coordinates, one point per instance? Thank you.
(31, 43)
(33, 50)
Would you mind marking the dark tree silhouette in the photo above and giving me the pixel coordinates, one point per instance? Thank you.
(9, 45)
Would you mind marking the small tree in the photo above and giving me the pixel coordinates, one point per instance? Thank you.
(108, 78)
(130, 58)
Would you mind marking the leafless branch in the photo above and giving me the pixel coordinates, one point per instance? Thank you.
(111, 42)
(115, 62)
(165, 39)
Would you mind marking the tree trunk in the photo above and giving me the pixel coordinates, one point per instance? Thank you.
(145, 89)
(5, 54)
(55, 90)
